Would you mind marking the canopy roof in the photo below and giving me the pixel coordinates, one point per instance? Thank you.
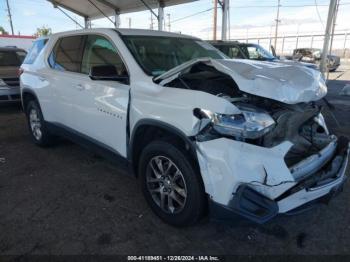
(100, 8)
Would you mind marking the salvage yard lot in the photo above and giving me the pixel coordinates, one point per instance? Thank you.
(66, 200)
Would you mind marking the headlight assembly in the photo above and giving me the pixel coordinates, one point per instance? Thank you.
(247, 125)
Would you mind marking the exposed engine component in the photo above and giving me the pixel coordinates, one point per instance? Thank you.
(299, 123)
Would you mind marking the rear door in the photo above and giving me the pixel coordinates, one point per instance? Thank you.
(65, 78)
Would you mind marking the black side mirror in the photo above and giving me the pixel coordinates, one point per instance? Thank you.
(107, 73)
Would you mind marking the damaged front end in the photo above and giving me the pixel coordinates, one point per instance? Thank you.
(275, 154)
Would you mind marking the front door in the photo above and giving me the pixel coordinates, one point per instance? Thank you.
(100, 107)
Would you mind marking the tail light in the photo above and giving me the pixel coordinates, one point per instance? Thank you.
(20, 71)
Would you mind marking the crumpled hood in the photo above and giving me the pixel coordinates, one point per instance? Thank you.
(298, 63)
(286, 83)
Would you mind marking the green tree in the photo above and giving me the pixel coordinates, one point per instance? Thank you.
(43, 31)
(3, 31)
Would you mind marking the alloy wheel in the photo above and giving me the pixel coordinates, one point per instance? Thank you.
(35, 123)
(166, 184)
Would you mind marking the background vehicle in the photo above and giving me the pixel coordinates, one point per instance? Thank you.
(237, 50)
(198, 129)
(313, 55)
(234, 49)
(11, 59)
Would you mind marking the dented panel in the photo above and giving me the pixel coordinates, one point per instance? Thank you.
(285, 83)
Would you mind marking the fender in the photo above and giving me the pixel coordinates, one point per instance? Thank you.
(162, 125)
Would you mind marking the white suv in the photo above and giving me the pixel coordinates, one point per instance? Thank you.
(199, 130)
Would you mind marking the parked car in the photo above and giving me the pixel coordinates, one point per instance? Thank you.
(11, 59)
(313, 55)
(242, 137)
(237, 50)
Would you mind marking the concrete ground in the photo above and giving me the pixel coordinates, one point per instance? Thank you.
(65, 200)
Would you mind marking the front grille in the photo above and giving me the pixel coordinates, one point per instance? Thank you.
(13, 81)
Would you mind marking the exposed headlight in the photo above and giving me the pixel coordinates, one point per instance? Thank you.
(248, 124)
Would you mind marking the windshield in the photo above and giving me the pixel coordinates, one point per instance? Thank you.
(256, 52)
(156, 54)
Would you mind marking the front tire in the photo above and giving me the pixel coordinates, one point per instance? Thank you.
(37, 128)
(170, 184)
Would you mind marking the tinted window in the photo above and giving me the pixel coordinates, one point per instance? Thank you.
(67, 54)
(38, 45)
(9, 58)
(99, 51)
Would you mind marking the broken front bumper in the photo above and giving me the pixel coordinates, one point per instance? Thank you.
(255, 182)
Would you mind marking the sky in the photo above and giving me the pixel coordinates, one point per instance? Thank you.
(248, 18)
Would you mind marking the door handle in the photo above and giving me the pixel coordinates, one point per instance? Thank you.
(42, 79)
(80, 87)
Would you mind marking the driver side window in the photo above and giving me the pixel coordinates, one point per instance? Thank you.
(100, 52)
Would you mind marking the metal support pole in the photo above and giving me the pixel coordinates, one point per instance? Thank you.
(344, 48)
(87, 23)
(331, 12)
(334, 24)
(225, 8)
(169, 23)
(277, 21)
(297, 42)
(215, 19)
(160, 16)
(283, 45)
(117, 19)
(312, 41)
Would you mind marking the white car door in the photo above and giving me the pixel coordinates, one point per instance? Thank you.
(100, 107)
(64, 78)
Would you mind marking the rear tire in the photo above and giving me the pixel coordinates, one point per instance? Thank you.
(36, 124)
(171, 185)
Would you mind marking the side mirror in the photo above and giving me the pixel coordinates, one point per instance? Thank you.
(107, 73)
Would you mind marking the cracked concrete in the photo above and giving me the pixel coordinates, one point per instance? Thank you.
(65, 200)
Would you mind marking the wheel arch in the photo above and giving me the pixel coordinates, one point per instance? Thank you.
(27, 95)
(148, 130)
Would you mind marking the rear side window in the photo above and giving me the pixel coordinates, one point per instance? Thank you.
(67, 54)
(38, 45)
(9, 58)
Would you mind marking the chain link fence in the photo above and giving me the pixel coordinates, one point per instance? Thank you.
(286, 44)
